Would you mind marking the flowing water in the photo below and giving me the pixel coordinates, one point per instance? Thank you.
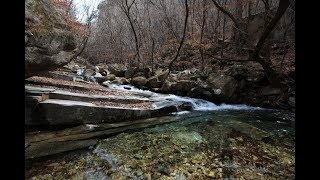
(209, 142)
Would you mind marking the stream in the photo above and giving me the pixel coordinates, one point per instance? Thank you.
(207, 142)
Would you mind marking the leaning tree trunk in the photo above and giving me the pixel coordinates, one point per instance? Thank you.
(126, 9)
(183, 37)
(272, 75)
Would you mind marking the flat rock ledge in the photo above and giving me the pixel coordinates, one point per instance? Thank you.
(85, 121)
(39, 144)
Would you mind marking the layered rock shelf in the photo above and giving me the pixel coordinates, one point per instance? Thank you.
(85, 112)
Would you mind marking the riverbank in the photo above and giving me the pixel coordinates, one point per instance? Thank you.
(235, 84)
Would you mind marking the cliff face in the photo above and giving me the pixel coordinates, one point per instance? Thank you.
(49, 41)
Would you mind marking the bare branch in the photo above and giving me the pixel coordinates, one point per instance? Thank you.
(183, 36)
(227, 13)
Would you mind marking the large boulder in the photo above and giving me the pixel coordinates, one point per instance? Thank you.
(109, 77)
(103, 69)
(222, 86)
(166, 87)
(49, 41)
(162, 75)
(238, 72)
(158, 79)
(200, 92)
(138, 74)
(121, 81)
(154, 82)
(139, 81)
(117, 69)
(183, 85)
(257, 77)
(268, 91)
(292, 101)
(147, 72)
(130, 72)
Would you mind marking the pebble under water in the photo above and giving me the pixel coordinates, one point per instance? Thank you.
(227, 144)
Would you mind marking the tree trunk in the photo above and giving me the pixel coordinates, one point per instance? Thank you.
(126, 10)
(183, 36)
(202, 33)
(272, 75)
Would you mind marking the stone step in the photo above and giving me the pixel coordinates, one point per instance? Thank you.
(36, 144)
(67, 112)
(32, 90)
(49, 148)
(31, 103)
(69, 86)
(62, 75)
(65, 95)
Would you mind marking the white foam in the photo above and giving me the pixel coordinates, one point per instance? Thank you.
(98, 75)
(80, 72)
(197, 104)
(181, 112)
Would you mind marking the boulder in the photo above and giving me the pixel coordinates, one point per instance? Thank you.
(147, 72)
(172, 77)
(88, 72)
(117, 69)
(121, 81)
(183, 85)
(238, 72)
(49, 41)
(205, 73)
(189, 74)
(158, 79)
(109, 77)
(153, 82)
(138, 74)
(162, 75)
(167, 86)
(249, 130)
(199, 92)
(268, 91)
(292, 101)
(222, 86)
(88, 75)
(130, 72)
(257, 77)
(139, 81)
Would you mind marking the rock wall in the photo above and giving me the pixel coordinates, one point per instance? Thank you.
(49, 41)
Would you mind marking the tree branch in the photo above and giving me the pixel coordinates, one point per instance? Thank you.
(227, 13)
(183, 36)
(283, 5)
(229, 59)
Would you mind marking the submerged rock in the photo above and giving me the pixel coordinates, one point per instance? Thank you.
(249, 130)
(49, 148)
(163, 169)
(186, 137)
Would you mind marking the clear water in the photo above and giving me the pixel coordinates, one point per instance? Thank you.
(243, 143)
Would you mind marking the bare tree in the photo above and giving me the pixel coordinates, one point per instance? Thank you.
(183, 36)
(204, 15)
(126, 7)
